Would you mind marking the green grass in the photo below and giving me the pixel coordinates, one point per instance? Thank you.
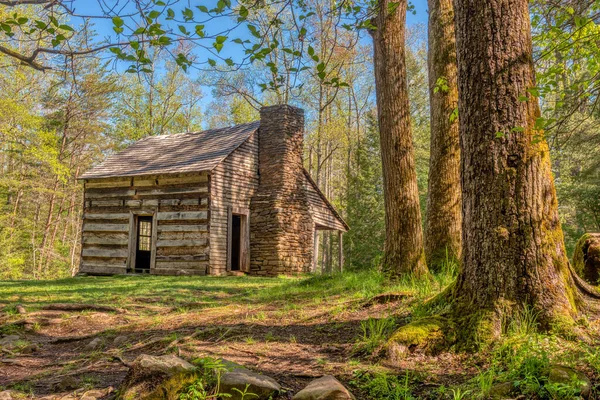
(200, 292)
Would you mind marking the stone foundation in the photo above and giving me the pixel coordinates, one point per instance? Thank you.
(281, 227)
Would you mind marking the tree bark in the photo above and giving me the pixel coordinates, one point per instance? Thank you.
(513, 248)
(403, 251)
(444, 214)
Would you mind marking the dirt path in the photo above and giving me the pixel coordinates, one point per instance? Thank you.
(63, 354)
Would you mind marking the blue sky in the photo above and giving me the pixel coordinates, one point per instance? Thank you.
(104, 27)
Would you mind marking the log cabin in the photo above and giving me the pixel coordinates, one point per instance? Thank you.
(222, 201)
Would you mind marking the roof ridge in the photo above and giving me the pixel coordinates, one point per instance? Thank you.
(198, 132)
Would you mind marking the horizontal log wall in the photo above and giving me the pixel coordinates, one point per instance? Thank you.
(233, 183)
(180, 206)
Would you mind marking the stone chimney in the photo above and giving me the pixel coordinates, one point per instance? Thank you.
(281, 227)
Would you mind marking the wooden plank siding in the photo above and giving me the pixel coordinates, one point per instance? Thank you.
(233, 183)
(179, 204)
(322, 213)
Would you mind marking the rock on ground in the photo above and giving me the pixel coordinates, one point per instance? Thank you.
(566, 375)
(501, 391)
(119, 340)
(6, 395)
(157, 377)
(247, 381)
(9, 342)
(324, 388)
(95, 344)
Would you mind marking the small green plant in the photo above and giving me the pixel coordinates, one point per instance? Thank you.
(523, 322)
(375, 332)
(458, 394)
(11, 310)
(562, 391)
(245, 394)
(485, 381)
(208, 385)
(383, 386)
(270, 337)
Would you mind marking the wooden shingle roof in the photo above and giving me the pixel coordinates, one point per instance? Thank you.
(166, 154)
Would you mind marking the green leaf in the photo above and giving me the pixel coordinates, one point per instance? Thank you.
(187, 14)
(212, 62)
(170, 13)
(243, 12)
(23, 20)
(311, 51)
(117, 21)
(183, 30)
(153, 14)
(220, 39)
(203, 9)
(392, 6)
(321, 67)
(66, 28)
(453, 115)
(254, 31)
(499, 135)
(200, 30)
(523, 98)
(535, 92)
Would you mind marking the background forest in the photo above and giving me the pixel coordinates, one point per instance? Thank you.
(56, 124)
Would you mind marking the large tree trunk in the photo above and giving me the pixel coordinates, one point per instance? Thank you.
(513, 249)
(443, 227)
(404, 252)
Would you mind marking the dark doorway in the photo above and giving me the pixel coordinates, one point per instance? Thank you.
(143, 250)
(236, 236)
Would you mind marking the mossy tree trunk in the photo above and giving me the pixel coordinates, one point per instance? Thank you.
(403, 251)
(444, 214)
(513, 248)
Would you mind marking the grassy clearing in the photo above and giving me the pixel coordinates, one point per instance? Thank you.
(302, 326)
(135, 290)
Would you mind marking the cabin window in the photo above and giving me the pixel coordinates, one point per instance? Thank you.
(145, 238)
(143, 254)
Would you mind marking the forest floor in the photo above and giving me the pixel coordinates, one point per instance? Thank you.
(292, 329)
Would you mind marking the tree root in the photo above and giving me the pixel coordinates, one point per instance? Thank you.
(81, 307)
(584, 288)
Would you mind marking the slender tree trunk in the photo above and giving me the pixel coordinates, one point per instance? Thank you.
(513, 247)
(444, 214)
(404, 252)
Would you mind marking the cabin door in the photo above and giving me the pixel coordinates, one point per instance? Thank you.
(236, 241)
(238, 255)
(143, 252)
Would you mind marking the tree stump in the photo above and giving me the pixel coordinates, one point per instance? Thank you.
(586, 258)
